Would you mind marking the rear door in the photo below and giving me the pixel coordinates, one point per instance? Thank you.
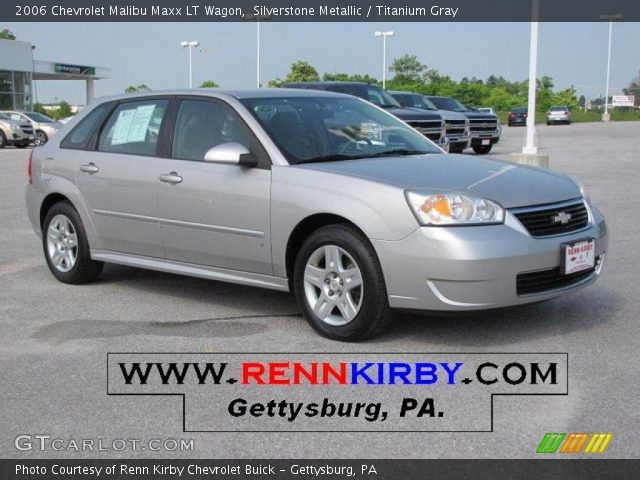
(119, 179)
(212, 214)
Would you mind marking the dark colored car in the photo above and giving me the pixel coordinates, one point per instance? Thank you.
(485, 127)
(517, 116)
(430, 124)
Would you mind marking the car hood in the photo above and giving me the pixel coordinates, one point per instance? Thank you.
(509, 184)
(480, 116)
(413, 114)
(449, 115)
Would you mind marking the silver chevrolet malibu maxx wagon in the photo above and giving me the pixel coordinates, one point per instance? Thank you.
(320, 193)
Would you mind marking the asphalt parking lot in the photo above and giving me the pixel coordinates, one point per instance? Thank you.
(54, 337)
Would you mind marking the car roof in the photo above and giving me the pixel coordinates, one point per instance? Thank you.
(220, 92)
(402, 92)
(330, 82)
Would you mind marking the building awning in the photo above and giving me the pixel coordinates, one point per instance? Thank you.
(43, 70)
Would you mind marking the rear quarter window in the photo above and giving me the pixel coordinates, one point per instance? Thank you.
(79, 137)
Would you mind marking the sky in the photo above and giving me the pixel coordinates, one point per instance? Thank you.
(150, 53)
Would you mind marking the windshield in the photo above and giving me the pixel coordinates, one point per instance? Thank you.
(558, 109)
(446, 103)
(316, 129)
(371, 93)
(39, 117)
(414, 100)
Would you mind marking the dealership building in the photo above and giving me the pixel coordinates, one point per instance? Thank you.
(19, 70)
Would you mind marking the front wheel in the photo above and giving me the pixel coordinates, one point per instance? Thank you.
(339, 285)
(3, 140)
(482, 149)
(66, 248)
(41, 138)
(456, 148)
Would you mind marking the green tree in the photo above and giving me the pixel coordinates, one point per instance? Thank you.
(7, 34)
(302, 71)
(275, 83)
(634, 89)
(582, 101)
(37, 107)
(566, 97)
(208, 84)
(347, 77)
(137, 89)
(407, 68)
(63, 111)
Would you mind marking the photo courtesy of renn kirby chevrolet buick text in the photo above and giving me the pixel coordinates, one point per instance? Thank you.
(319, 193)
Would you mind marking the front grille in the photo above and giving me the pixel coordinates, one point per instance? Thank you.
(552, 279)
(554, 219)
(430, 129)
(455, 127)
(482, 126)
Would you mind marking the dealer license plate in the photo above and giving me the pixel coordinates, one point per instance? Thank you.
(579, 256)
(486, 142)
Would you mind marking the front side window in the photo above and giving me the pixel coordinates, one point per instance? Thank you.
(314, 129)
(134, 128)
(202, 125)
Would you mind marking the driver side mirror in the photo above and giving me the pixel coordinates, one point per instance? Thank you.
(231, 154)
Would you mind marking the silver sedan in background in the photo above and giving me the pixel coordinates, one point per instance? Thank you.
(320, 193)
(559, 114)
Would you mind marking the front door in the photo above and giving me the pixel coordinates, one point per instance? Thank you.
(212, 214)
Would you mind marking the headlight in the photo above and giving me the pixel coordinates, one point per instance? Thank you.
(454, 209)
(14, 127)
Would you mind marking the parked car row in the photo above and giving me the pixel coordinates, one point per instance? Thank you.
(20, 128)
(443, 120)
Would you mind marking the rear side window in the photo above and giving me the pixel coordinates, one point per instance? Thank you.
(79, 137)
(133, 128)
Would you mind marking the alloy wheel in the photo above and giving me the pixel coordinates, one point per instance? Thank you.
(62, 243)
(333, 285)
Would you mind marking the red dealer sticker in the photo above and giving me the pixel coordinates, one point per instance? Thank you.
(579, 256)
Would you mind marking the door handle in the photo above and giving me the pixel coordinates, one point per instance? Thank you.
(172, 177)
(89, 168)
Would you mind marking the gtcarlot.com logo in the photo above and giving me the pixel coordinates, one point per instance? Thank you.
(574, 443)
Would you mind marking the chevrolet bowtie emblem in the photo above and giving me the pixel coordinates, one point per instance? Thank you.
(562, 218)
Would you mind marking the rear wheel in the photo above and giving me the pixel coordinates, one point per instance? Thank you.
(66, 248)
(3, 140)
(482, 149)
(339, 285)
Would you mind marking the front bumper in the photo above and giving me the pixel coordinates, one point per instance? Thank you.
(475, 267)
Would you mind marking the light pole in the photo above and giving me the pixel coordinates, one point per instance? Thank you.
(190, 44)
(606, 116)
(384, 36)
(530, 148)
(258, 54)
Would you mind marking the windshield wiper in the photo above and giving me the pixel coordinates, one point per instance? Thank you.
(399, 151)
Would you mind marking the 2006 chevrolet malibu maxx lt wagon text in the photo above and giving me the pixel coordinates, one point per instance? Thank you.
(320, 193)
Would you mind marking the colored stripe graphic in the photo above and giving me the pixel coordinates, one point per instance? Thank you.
(573, 442)
(550, 443)
(598, 443)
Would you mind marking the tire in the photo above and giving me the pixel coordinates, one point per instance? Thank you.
(41, 138)
(61, 224)
(3, 140)
(345, 313)
(456, 149)
(482, 149)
